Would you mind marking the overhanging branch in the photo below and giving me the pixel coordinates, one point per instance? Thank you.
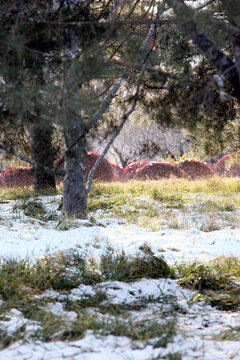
(31, 161)
(188, 19)
(122, 123)
(104, 105)
(91, 173)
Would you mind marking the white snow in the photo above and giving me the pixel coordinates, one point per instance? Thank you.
(22, 237)
(22, 240)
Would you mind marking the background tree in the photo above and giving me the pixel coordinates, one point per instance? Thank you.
(89, 57)
(141, 138)
(23, 83)
(191, 93)
(76, 46)
(210, 107)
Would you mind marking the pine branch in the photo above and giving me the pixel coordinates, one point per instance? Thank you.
(157, 71)
(104, 24)
(32, 162)
(187, 18)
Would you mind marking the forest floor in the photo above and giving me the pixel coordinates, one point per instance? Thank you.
(154, 273)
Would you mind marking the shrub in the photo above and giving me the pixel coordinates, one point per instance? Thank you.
(131, 169)
(157, 170)
(16, 177)
(234, 164)
(228, 165)
(195, 169)
(104, 172)
(220, 167)
(234, 170)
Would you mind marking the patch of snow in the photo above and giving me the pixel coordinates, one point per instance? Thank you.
(196, 322)
(57, 310)
(15, 320)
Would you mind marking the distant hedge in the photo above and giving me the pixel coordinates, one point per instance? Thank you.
(118, 173)
(195, 169)
(220, 166)
(104, 172)
(16, 177)
(228, 165)
(139, 170)
(158, 170)
(132, 168)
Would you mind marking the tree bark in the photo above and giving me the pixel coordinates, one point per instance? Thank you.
(42, 152)
(74, 188)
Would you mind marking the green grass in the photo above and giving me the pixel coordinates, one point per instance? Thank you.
(19, 277)
(217, 282)
(172, 189)
(6, 339)
(215, 205)
(169, 187)
(217, 197)
(85, 302)
(232, 334)
(34, 208)
(25, 193)
(20, 281)
(174, 201)
(63, 272)
(54, 329)
(164, 200)
(124, 268)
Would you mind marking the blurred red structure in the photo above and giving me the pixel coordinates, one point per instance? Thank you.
(158, 170)
(195, 169)
(15, 177)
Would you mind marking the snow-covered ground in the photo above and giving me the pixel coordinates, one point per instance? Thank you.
(23, 237)
(197, 323)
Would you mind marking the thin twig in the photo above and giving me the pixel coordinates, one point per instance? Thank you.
(104, 105)
(124, 119)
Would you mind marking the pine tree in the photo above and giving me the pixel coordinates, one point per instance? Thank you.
(59, 61)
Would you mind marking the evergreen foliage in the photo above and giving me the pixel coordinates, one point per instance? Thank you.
(64, 65)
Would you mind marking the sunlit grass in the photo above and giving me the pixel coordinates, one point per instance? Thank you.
(158, 204)
(167, 203)
(172, 187)
(216, 282)
(168, 187)
(18, 193)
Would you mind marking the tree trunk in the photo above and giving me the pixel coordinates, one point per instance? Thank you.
(74, 184)
(42, 152)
